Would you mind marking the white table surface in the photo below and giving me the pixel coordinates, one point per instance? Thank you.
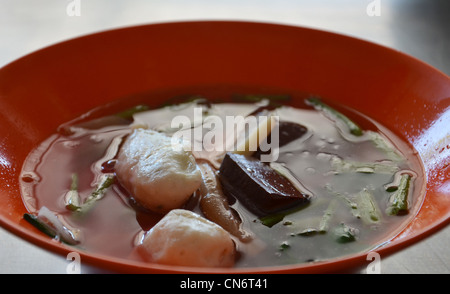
(420, 28)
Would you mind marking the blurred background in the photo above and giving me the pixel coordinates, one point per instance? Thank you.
(420, 28)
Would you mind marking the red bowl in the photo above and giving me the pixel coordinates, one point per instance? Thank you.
(46, 88)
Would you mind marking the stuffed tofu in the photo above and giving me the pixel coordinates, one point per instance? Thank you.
(157, 172)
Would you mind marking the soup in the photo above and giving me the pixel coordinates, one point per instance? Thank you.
(350, 185)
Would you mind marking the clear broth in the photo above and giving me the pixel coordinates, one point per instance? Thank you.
(116, 223)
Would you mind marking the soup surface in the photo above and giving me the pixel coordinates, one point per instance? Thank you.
(350, 178)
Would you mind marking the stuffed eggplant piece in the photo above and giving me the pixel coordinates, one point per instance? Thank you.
(259, 187)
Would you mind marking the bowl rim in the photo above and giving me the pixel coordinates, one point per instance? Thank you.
(226, 21)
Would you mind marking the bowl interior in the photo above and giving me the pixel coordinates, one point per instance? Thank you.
(56, 84)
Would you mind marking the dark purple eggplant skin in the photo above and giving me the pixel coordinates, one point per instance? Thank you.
(257, 186)
(287, 132)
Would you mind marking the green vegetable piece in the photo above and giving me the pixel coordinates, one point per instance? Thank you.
(341, 166)
(391, 188)
(324, 222)
(349, 202)
(354, 128)
(105, 182)
(384, 145)
(128, 113)
(399, 199)
(367, 207)
(72, 198)
(308, 232)
(344, 233)
(120, 118)
(41, 226)
(271, 220)
(49, 223)
(284, 246)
